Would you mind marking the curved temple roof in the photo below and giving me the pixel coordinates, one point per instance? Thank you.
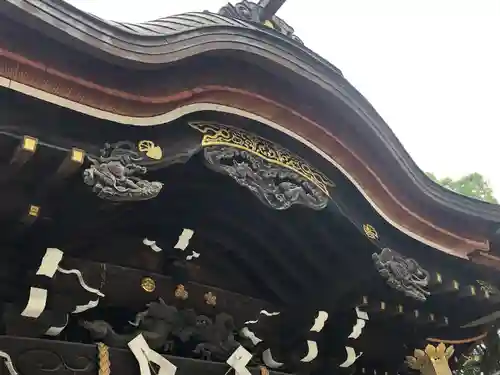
(341, 127)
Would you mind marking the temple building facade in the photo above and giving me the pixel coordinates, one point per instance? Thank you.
(202, 194)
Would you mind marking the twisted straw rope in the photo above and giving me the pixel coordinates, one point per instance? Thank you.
(104, 362)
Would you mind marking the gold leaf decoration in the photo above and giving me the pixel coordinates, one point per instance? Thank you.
(433, 360)
(370, 232)
(449, 351)
(148, 284)
(431, 350)
(151, 150)
(419, 354)
(216, 134)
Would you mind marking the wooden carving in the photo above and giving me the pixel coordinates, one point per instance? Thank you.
(155, 324)
(161, 325)
(253, 12)
(403, 274)
(273, 174)
(114, 174)
(433, 360)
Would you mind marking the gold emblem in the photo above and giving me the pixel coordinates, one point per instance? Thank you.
(29, 143)
(210, 299)
(216, 134)
(370, 232)
(77, 155)
(181, 292)
(34, 210)
(148, 284)
(151, 150)
(268, 24)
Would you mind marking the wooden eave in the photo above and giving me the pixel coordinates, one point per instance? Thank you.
(340, 124)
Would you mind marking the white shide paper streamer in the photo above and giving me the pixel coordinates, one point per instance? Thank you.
(144, 355)
(239, 361)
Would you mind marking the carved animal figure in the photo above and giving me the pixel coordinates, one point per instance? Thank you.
(112, 175)
(156, 324)
(216, 339)
(433, 360)
(403, 274)
(250, 11)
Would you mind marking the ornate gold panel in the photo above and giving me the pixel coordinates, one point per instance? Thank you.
(217, 134)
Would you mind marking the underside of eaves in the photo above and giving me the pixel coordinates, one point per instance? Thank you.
(152, 73)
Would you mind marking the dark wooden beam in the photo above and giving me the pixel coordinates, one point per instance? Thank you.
(123, 287)
(24, 151)
(269, 8)
(31, 214)
(411, 315)
(71, 163)
(33, 356)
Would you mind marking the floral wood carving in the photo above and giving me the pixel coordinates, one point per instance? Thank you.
(114, 174)
(403, 274)
(250, 11)
(433, 360)
(275, 175)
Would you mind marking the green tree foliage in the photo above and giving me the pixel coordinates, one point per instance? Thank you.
(473, 185)
(484, 358)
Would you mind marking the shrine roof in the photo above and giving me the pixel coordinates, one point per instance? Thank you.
(156, 40)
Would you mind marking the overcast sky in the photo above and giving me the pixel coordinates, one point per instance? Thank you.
(431, 68)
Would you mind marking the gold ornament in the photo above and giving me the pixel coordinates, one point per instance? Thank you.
(370, 232)
(210, 299)
(150, 149)
(433, 360)
(148, 284)
(181, 292)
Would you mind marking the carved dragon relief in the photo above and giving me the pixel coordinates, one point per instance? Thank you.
(175, 331)
(403, 274)
(275, 175)
(114, 174)
(161, 325)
